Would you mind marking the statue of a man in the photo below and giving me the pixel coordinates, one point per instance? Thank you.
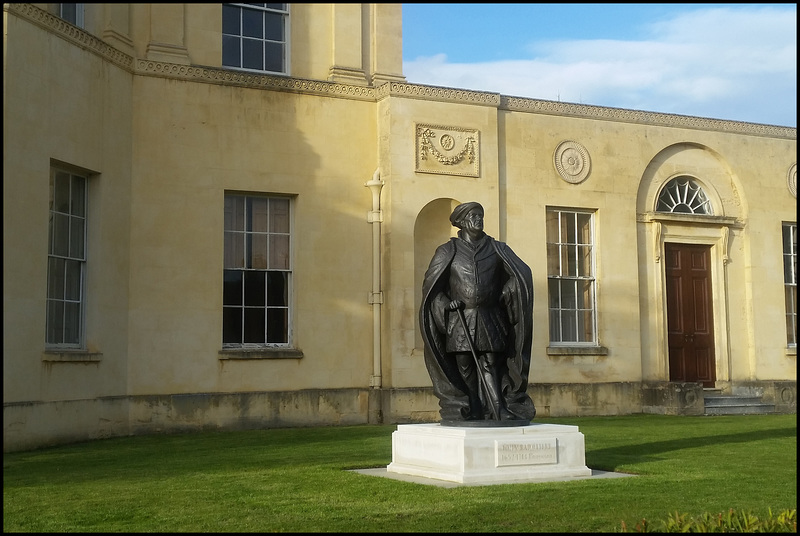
(476, 322)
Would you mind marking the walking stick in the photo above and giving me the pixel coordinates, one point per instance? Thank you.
(481, 379)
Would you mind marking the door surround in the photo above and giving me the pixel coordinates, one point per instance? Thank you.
(712, 231)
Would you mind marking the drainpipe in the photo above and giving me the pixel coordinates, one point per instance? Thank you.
(375, 217)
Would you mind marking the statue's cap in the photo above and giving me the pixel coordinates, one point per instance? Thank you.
(462, 210)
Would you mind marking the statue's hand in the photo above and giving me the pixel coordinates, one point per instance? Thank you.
(455, 305)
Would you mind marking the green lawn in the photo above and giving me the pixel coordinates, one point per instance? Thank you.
(297, 480)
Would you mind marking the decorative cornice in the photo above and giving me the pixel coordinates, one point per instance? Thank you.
(622, 115)
(71, 33)
(414, 91)
(228, 77)
(215, 75)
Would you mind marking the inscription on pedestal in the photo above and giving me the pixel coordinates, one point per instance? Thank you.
(534, 452)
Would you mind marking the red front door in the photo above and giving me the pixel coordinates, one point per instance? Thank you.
(689, 320)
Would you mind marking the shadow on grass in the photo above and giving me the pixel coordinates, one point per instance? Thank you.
(608, 459)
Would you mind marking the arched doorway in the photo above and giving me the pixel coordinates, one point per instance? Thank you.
(688, 210)
(431, 229)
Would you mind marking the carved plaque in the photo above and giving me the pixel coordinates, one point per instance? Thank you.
(572, 161)
(447, 150)
(531, 452)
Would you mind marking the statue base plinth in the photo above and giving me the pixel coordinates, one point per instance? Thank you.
(488, 455)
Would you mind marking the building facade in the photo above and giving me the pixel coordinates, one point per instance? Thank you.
(218, 216)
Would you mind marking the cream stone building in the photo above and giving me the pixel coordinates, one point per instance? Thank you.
(219, 216)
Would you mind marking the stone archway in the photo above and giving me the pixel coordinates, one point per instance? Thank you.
(710, 230)
(431, 228)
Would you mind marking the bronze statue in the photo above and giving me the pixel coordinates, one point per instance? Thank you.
(476, 322)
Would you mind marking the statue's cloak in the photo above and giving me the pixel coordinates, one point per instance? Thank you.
(448, 384)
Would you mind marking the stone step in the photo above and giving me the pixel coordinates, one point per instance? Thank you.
(731, 400)
(717, 403)
(743, 409)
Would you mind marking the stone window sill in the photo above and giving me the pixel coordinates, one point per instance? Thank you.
(71, 356)
(577, 350)
(260, 353)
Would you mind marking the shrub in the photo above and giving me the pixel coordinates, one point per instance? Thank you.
(733, 521)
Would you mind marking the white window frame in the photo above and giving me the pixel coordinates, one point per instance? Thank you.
(231, 36)
(684, 195)
(561, 276)
(789, 232)
(66, 261)
(240, 261)
(76, 17)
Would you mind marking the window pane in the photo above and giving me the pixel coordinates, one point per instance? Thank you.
(273, 23)
(69, 12)
(232, 288)
(787, 239)
(569, 328)
(552, 260)
(254, 325)
(231, 51)
(273, 57)
(253, 54)
(55, 322)
(551, 222)
(255, 290)
(568, 294)
(55, 278)
(279, 252)
(584, 261)
(72, 322)
(791, 315)
(555, 326)
(234, 213)
(232, 325)
(279, 215)
(257, 211)
(253, 23)
(234, 250)
(277, 326)
(76, 238)
(572, 260)
(231, 21)
(568, 231)
(61, 192)
(584, 228)
(72, 280)
(258, 251)
(586, 297)
(277, 289)
(78, 196)
(587, 326)
(554, 293)
(61, 235)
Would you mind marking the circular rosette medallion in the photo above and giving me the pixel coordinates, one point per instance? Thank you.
(572, 161)
(791, 180)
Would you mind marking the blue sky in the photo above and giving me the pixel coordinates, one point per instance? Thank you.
(722, 61)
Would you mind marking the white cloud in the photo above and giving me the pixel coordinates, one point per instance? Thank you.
(738, 64)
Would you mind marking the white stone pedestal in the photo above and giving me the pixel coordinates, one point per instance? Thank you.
(491, 455)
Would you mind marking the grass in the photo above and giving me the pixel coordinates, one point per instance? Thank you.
(296, 480)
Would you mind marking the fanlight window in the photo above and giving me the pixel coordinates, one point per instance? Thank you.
(684, 196)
